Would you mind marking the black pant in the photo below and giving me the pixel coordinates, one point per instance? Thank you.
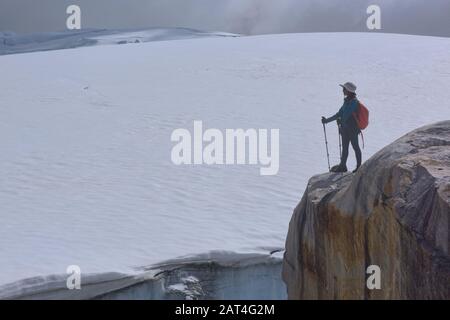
(350, 136)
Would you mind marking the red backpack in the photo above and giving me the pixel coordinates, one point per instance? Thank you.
(361, 116)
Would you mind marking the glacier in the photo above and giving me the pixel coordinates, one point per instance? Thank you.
(86, 174)
(213, 275)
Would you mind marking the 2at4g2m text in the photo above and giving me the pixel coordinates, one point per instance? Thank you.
(240, 309)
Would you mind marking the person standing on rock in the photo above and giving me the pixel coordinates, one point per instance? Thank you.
(348, 127)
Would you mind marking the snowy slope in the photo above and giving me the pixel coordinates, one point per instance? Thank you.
(11, 43)
(86, 173)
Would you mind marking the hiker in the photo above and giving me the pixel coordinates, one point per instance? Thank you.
(348, 127)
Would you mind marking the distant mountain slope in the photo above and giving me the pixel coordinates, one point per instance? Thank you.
(13, 43)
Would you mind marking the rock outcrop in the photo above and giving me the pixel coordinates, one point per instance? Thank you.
(393, 213)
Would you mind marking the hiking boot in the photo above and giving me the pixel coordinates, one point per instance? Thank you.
(356, 170)
(339, 168)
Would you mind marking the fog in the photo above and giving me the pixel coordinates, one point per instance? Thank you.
(430, 17)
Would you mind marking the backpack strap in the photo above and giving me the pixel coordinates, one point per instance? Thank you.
(362, 137)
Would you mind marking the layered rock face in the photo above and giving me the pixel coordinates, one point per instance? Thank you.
(393, 213)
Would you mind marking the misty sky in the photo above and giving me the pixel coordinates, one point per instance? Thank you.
(429, 17)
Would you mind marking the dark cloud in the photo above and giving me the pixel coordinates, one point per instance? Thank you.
(240, 16)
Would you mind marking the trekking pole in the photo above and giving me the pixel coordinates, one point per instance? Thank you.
(340, 141)
(326, 145)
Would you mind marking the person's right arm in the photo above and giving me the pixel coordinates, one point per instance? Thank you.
(333, 118)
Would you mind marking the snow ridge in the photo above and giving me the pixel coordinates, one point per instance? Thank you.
(11, 43)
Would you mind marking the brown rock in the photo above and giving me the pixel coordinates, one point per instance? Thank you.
(394, 213)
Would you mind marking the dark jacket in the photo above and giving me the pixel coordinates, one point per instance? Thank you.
(345, 116)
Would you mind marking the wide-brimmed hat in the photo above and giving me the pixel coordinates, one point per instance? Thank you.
(349, 86)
